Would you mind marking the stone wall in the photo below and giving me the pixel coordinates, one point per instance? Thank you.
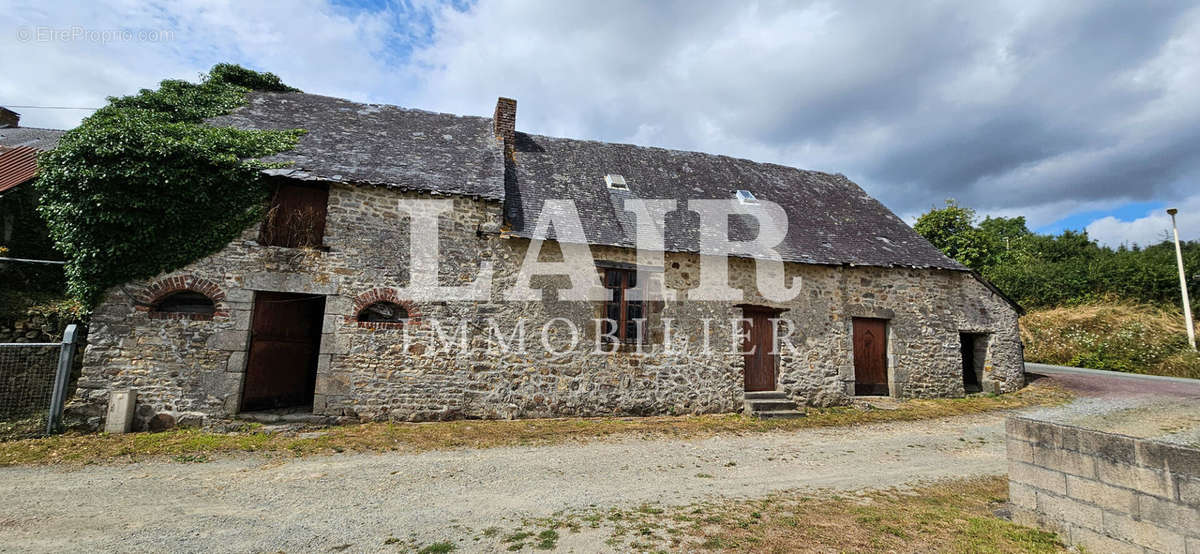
(195, 367)
(1102, 491)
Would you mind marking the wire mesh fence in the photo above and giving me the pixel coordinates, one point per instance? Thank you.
(26, 387)
(33, 383)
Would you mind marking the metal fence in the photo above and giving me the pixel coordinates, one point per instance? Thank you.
(33, 385)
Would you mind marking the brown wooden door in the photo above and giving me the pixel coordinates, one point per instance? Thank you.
(870, 356)
(285, 336)
(757, 347)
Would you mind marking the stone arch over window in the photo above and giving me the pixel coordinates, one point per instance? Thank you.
(182, 297)
(383, 309)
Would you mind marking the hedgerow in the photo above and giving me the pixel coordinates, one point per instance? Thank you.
(144, 186)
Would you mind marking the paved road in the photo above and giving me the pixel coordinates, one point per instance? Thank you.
(1094, 382)
(354, 502)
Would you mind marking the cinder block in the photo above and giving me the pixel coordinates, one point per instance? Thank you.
(1143, 533)
(1189, 491)
(1045, 479)
(1115, 448)
(1169, 514)
(1065, 461)
(121, 404)
(1019, 450)
(1071, 511)
(1033, 518)
(1100, 494)
(1096, 542)
(1018, 428)
(1149, 481)
(1022, 495)
(1172, 457)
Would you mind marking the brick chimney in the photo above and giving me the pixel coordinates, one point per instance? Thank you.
(505, 120)
(9, 118)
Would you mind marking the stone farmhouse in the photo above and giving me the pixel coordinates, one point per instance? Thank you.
(307, 310)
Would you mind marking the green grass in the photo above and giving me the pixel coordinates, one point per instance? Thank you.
(949, 516)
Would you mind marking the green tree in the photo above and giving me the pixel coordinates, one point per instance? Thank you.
(952, 230)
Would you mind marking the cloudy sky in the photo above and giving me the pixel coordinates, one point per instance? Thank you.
(1073, 114)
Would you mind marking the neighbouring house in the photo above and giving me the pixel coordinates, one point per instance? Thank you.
(22, 231)
(314, 316)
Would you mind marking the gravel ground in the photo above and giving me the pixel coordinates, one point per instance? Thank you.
(355, 502)
(360, 500)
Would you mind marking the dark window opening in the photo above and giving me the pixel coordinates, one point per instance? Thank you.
(186, 302)
(384, 312)
(621, 314)
(296, 217)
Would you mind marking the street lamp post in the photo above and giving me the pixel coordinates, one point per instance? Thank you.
(1187, 305)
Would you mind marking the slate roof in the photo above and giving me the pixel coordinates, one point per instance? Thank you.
(379, 144)
(831, 219)
(40, 139)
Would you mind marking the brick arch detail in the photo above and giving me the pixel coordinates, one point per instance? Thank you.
(163, 288)
(383, 295)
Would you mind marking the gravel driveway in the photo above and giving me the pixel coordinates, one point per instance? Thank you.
(355, 502)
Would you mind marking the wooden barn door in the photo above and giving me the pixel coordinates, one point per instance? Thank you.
(757, 348)
(870, 356)
(285, 335)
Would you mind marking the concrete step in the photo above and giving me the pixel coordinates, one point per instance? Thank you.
(766, 395)
(779, 414)
(770, 405)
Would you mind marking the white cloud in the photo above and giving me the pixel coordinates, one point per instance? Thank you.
(1151, 229)
(307, 42)
(1015, 107)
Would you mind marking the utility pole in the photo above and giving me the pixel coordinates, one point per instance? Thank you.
(1187, 304)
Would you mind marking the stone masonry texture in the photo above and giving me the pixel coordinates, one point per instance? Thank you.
(192, 368)
(1103, 491)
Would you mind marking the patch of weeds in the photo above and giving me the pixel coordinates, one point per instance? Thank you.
(518, 536)
(438, 548)
(491, 531)
(391, 540)
(648, 509)
(191, 458)
(704, 475)
(547, 539)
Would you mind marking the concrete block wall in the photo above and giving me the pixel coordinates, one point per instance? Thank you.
(1103, 491)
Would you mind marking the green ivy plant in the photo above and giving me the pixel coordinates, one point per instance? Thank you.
(144, 186)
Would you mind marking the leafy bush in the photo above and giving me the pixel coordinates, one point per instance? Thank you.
(144, 186)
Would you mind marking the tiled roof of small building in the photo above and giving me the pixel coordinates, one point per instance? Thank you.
(40, 139)
(831, 219)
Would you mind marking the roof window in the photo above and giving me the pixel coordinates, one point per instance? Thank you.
(615, 181)
(746, 197)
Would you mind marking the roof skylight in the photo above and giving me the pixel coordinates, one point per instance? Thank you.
(746, 197)
(615, 181)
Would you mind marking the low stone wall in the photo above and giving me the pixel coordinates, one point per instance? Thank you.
(1103, 491)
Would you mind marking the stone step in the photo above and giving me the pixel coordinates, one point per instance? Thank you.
(779, 414)
(766, 395)
(769, 405)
